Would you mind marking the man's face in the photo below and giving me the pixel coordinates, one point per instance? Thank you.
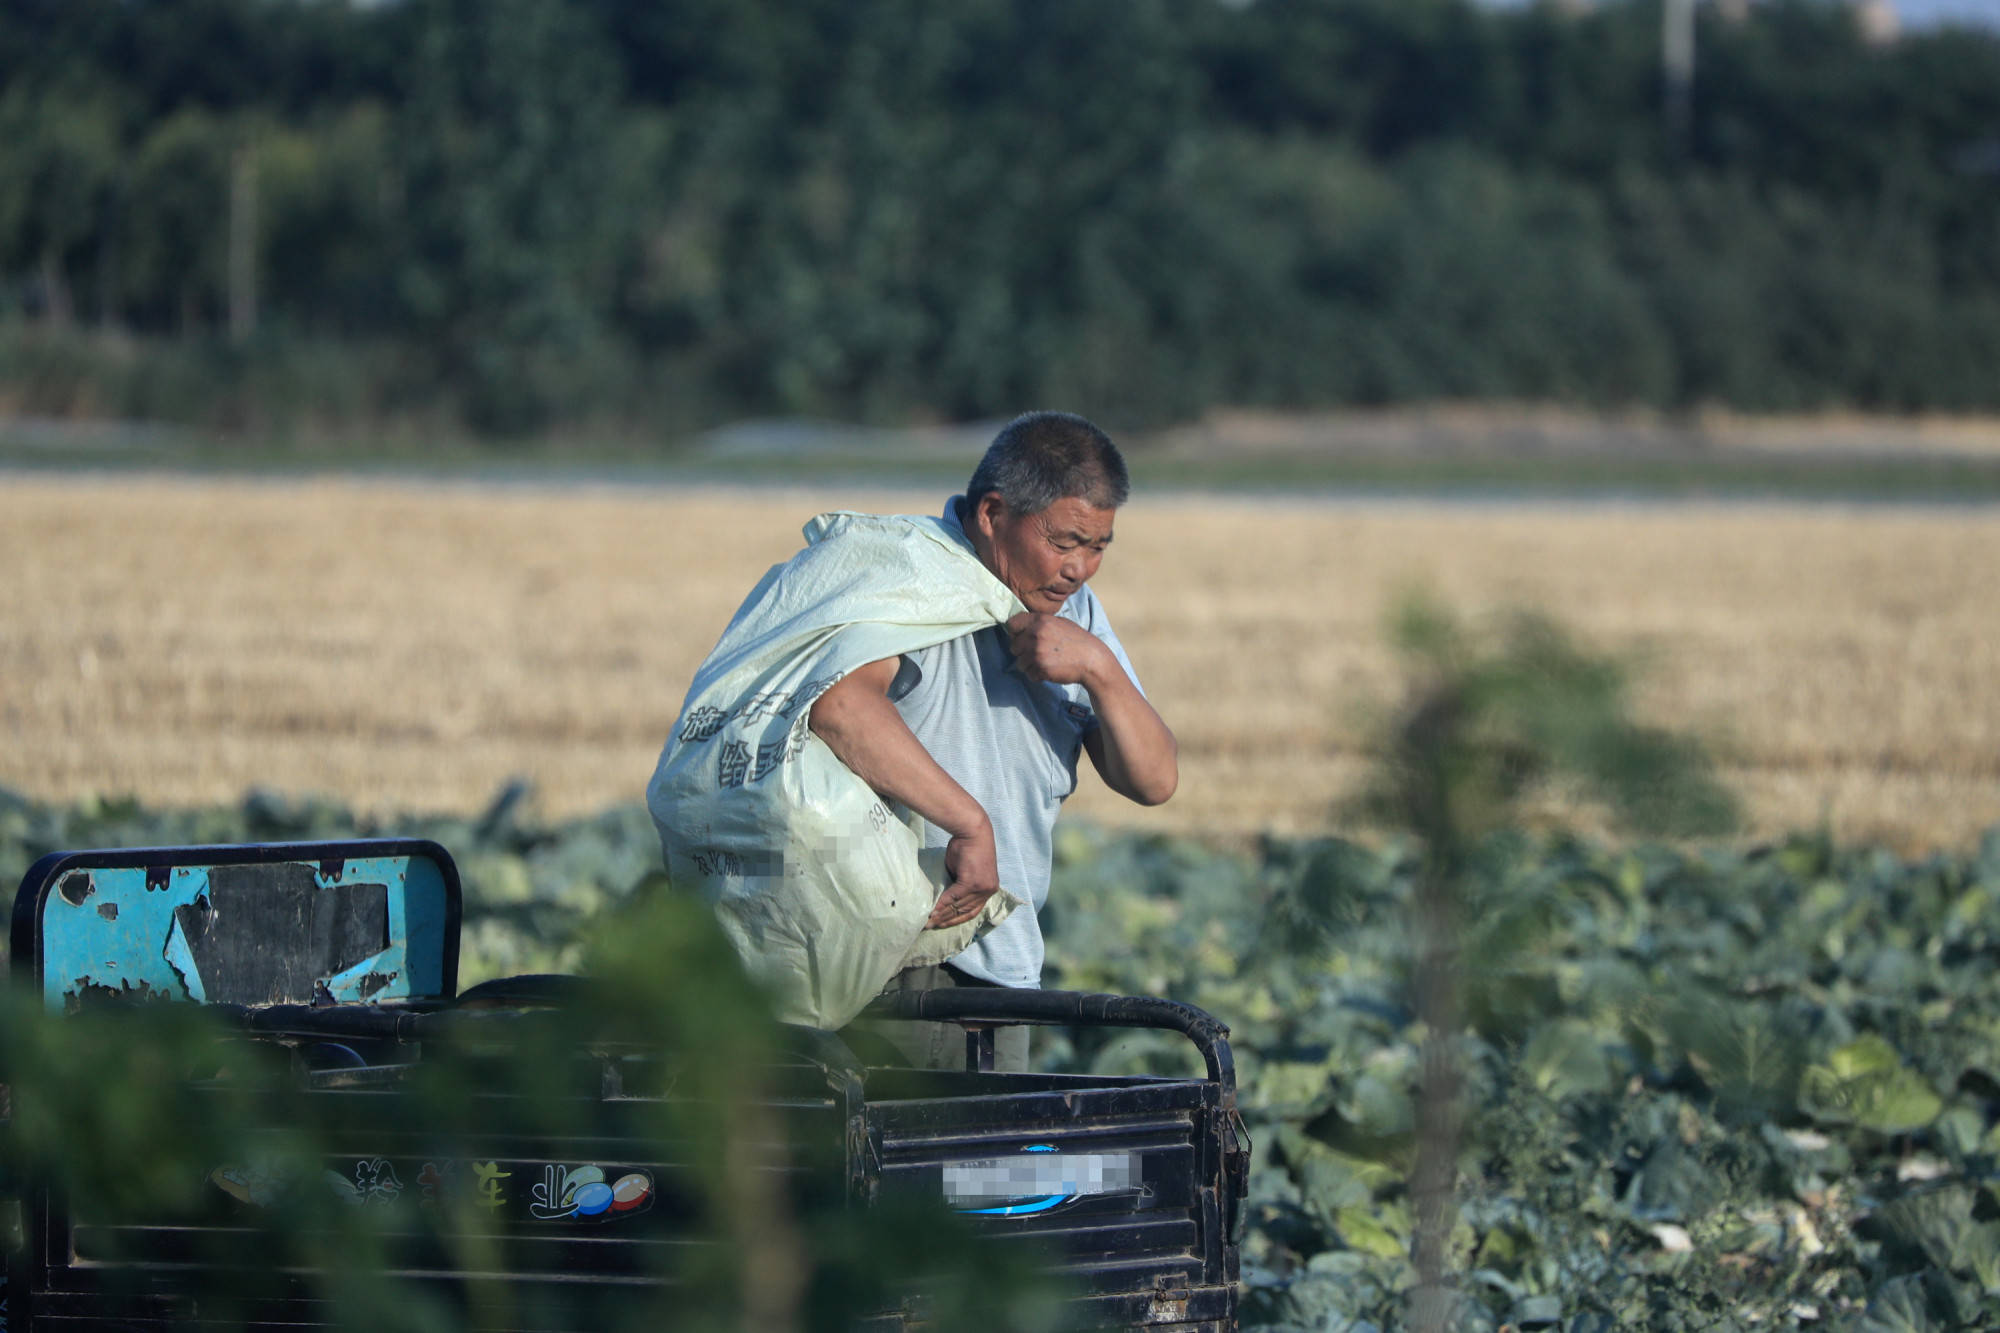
(1044, 557)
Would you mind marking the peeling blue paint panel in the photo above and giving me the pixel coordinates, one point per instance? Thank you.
(355, 922)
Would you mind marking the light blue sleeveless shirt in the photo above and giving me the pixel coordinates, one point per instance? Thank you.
(1012, 743)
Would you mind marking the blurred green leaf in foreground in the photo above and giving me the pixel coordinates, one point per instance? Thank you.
(1485, 720)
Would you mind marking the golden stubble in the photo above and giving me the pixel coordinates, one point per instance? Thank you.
(414, 646)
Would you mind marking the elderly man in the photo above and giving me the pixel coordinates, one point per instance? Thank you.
(865, 776)
(980, 734)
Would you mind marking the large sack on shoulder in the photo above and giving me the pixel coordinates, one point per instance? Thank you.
(818, 883)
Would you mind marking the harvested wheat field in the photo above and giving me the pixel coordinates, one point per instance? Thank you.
(413, 646)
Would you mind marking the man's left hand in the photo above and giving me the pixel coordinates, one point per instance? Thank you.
(1132, 748)
(1059, 651)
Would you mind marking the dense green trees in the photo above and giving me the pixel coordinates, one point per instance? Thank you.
(532, 212)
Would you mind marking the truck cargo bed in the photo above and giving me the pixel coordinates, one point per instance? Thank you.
(570, 1204)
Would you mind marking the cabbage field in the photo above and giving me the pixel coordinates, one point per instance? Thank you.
(1708, 1087)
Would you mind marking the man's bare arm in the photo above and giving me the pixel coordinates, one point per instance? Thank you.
(863, 729)
(1132, 747)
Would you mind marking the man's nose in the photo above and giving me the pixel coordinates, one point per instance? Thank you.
(1079, 566)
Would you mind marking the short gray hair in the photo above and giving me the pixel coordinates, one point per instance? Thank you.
(1039, 458)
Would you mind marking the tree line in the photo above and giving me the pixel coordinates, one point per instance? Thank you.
(522, 214)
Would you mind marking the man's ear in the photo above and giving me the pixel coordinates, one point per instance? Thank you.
(988, 512)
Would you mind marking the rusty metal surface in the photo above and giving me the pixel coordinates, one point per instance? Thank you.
(277, 924)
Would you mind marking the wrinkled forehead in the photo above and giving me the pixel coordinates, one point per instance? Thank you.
(1076, 520)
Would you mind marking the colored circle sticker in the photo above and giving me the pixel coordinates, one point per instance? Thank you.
(631, 1191)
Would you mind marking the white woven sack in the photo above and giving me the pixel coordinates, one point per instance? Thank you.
(818, 883)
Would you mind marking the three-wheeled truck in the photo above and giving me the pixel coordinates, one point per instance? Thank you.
(345, 954)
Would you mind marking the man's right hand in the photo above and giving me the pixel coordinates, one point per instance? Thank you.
(972, 869)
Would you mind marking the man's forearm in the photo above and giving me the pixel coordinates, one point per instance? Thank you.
(1132, 747)
(866, 733)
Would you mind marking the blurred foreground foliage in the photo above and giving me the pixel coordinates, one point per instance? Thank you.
(1706, 1087)
(1487, 718)
(512, 215)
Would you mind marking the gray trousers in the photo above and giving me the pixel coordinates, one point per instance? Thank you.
(942, 1045)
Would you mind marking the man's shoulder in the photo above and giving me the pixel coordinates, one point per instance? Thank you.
(1084, 609)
